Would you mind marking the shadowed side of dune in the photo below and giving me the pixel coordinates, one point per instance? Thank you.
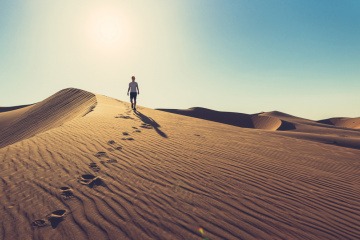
(52, 112)
(231, 118)
(353, 123)
(236, 119)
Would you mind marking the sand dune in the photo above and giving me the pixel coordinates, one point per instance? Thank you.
(257, 121)
(341, 132)
(52, 112)
(268, 123)
(332, 123)
(118, 174)
(343, 122)
(274, 120)
(286, 125)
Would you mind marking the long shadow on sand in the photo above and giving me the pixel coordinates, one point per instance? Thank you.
(150, 121)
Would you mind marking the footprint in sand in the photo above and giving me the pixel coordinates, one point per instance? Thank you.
(146, 125)
(56, 217)
(124, 117)
(39, 223)
(66, 193)
(111, 161)
(115, 145)
(136, 129)
(100, 154)
(129, 139)
(104, 158)
(91, 180)
(53, 219)
(94, 167)
(108, 161)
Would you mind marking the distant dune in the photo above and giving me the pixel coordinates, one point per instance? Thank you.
(78, 165)
(257, 121)
(329, 131)
(7, 109)
(343, 122)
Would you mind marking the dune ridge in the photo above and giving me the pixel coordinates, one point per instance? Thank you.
(120, 174)
(52, 112)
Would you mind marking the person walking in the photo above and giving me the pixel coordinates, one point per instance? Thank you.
(134, 91)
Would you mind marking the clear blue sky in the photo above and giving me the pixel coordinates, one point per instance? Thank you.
(301, 57)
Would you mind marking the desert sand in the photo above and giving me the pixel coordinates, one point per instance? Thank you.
(79, 165)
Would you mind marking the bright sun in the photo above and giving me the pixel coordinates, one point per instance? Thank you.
(106, 29)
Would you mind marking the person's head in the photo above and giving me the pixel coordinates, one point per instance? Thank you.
(133, 78)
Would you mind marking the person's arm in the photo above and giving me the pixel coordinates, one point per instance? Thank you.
(128, 90)
(137, 86)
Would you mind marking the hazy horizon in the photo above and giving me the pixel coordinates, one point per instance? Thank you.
(298, 57)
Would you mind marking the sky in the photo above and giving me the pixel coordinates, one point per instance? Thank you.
(301, 57)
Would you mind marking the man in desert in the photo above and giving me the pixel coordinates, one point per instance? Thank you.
(134, 91)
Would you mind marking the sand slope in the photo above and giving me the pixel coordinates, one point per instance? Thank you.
(119, 174)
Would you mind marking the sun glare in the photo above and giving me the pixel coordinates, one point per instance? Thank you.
(106, 29)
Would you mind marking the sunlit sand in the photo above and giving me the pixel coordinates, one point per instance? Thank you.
(79, 165)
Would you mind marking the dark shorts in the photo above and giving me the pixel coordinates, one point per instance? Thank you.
(133, 96)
